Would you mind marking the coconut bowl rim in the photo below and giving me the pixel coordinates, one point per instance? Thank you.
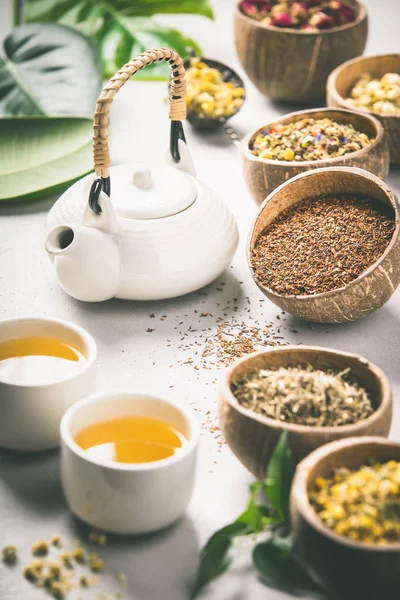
(362, 16)
(380, 133)
(356, 428)
(343, 102)
(300, 498)
(394, 203)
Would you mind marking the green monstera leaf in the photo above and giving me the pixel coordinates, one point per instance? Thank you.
(120, 28)
(48, 69)
(40, 156)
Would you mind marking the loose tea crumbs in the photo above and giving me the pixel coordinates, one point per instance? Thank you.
(308, 139)
(234, 340)
(321, 244)
(361, 504)
(304, 396)
(378, 95)
(308, 15)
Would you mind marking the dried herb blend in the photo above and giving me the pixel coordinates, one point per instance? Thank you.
(379, 95)
(321, 244)
(304, 396)
(208, 94)
(308, 139)
(361, 504)
(308, 15)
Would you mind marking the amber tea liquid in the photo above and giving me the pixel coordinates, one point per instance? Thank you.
(131, 439)
(38, 360)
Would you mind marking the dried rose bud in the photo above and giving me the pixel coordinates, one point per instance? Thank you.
(299, 11)
(347, 14)
(335, 5)
(266, 22)
(249, 9)
(322, 21)
(282, 20)
(308, 27)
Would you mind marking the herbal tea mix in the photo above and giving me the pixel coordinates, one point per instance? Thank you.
(321, 244)
(304, 396)
(361, 504)
(307, 15)
(308, 139)
(377, 95)
(208, 94)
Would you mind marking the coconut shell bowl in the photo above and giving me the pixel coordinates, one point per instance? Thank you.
(293, 65)
(263, 175)
(349, 569)
(342, 80)
(252, 436)
(368, 291)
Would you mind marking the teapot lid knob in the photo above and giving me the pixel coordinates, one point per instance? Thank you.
(142, 178)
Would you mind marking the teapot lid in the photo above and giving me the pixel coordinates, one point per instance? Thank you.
(140, 192)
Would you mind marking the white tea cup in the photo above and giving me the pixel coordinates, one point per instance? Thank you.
(127, 498)
(30, 415)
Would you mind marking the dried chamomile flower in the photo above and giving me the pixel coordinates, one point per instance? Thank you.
(122, 578)
(9, 555)
(208, 94)
(66, 559)
(86, 581)
(40, 548)
(56, 541)
(79, 555)
(95, 563)
(58, 589)
(377, 95)
(54, 570)
(98, 538)
(33, 570)
(361, 504)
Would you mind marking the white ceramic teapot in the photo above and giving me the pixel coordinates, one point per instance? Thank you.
(160, 232)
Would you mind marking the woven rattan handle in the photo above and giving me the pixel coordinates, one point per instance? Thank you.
(177, 101)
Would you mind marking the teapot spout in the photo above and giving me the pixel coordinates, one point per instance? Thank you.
(59, 240)
(86, 260)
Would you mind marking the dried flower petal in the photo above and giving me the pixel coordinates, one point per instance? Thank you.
(282, 20)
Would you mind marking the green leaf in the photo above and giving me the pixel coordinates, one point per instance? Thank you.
(278, 566)
(258, 516)
(53, 10)
(216, 556)
(43, 155)
(279, 477)
(122, 28)
(48, 69)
